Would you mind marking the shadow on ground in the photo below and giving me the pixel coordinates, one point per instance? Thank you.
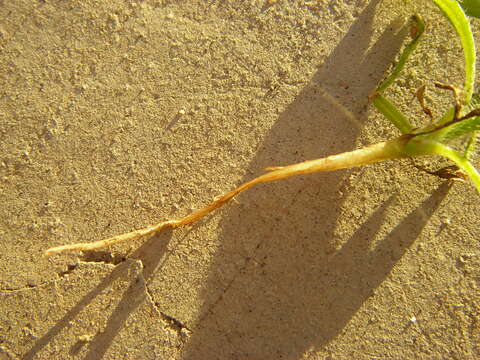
(151, 254)
(290, 289)
(278, 285)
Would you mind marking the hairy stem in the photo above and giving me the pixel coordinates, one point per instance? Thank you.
(419, 28)
(454, 13)
(391, 112)
(383, 105)
(392, 149)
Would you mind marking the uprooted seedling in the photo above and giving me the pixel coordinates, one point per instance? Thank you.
(461, 121)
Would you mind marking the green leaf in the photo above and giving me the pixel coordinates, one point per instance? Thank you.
(392, 113)
(454, 12)
(419, 146)
(419, 30)
(456, 129)
(470, 148)
(471, 7)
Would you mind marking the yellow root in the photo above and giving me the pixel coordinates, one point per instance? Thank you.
(374, 153)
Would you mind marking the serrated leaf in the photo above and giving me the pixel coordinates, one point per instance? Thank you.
(471, 7)
(459, 129)
(456, 129)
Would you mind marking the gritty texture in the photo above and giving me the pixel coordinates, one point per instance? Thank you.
(119, 114)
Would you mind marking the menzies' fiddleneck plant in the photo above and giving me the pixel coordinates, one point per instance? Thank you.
(461, 121)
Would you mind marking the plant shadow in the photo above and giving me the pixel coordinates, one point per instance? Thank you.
(152, 255)
(278, 286)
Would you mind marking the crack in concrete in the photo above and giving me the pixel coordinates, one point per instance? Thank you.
(102, 256)
(240, 271)
(173, 324)
(8, 290)
(70, 268)
(89, 257)
(60, 275)
(209, 311)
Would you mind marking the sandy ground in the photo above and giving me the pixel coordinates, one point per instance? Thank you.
(117, 114)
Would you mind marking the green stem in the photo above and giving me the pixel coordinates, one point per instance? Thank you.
(385, 107)
(420, 28)
(470, 145)
(455, 14)
(424, 146)
(392, 149)
(391, 112)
